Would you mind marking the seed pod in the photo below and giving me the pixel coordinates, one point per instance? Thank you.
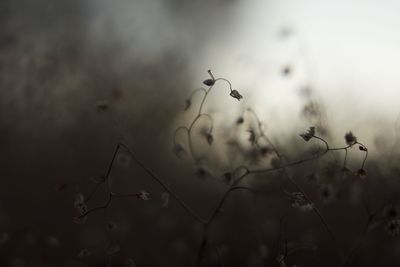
(209, 82)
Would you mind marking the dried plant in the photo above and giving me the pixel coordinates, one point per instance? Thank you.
(274, 161)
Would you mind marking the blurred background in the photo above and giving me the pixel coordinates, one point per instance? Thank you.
(77, 77)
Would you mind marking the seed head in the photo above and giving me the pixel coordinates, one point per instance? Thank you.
(309, 134)
(350, 138)
(235, 94)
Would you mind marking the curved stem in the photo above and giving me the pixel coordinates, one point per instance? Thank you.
(195, 91)
(289, 164)
(210, 119)
(366, 154)
(225, 80)
(345, 158)
(200, 112)
(324, 141)
(98, 208)
(177, 130)
(217, 210)
(91, 194)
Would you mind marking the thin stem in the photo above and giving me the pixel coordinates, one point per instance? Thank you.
(98, 208)
(281, 257)
(212, 76)
(151, 174)
(320, 216)
(177, 130)
(358, 242)
(315, 209)
(248, 171)
(210, 119)
(324, 141)
(288, 164)
(229, 83)
(200, 112)
(162, 184)
(221, 263)
(345, 158)
(91, 194)
(217, 210)
(363, 235)
(366, 154)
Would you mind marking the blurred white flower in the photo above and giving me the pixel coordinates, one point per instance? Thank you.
(144, 195)
(300, 202)
(393, 227)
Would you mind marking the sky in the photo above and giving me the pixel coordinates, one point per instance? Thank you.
(347, 52)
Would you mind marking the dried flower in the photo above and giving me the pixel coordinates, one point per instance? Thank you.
(179, 150)
(281, 260)
(363, 148)
(393, 227)
(235, 94)
(286, 70)
(327, 192)
(311, 110)
(144, 195)
(79, 204)
(209, 82)
(240, 120)
(79, 200)
(252, 137)
(361, 173)
(309, 134)
(265, 150)
(210, 138)
(102, 106)
(299, 201)
(227, 177)
(202, 173)
(111, 226)
(350, 138)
